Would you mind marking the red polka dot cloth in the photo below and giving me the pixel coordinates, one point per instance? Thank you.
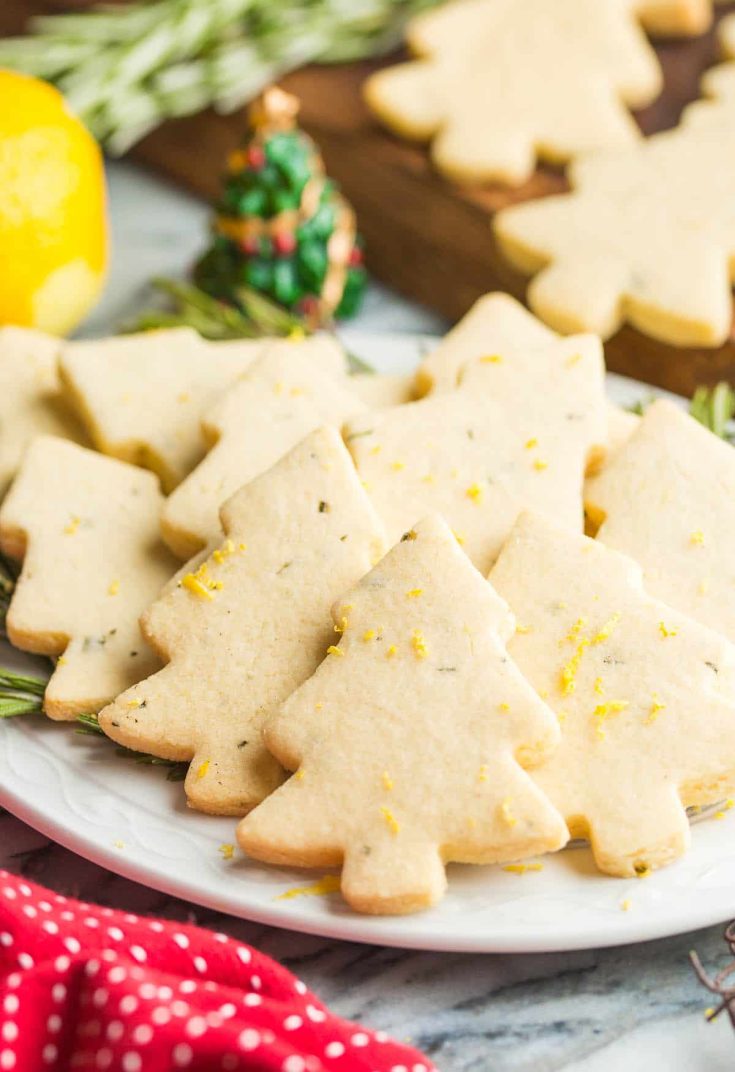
(83, 987)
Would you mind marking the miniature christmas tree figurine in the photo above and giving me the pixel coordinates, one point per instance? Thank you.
(281, 226)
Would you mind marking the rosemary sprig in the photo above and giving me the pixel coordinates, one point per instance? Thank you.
(125, 69)
(175, 772)
(256, 317)
(23, 695)
(714, 407)
(188, 306)
(20, 694)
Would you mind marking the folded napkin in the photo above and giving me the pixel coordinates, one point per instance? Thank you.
(83, 987)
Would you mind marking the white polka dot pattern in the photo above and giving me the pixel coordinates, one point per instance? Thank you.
(92, 988)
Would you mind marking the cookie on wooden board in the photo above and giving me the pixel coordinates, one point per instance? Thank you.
(667, 499)
(518, 432)
(497, 82)
(30, 399)
(646, 236)
(282, 397)
(645, 696)
(87, 530)
(409, 741)
(241, 628)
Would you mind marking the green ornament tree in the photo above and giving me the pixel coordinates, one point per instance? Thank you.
(281, 226)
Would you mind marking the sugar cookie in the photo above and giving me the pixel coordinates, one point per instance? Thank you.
(479, 456)
(645, 696)
(667, 499)
(282, 397)
(498, 82)
(241, 629)
(30, 402)
(86, 528)
(409, 741)
(647, 236)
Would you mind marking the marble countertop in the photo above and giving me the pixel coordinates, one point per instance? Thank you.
(635, 1008)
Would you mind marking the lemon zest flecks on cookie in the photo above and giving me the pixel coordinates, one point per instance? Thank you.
(386, 780)
(539, 465)
(492, 359)
(299, 775)
(520, 869)
(665, 631)
(73, 525)
(504, 707)
(697, 538)
(326, 885)
(114, 588)
(703, 586)
(726, 807)
(474, 492)
(625, 905)
(397, 466)
(458, 537)
(604, 711)
(223, 552)
(573, 360)
(134, 703)
(376, 449)
(227, 849)
(607, 630)
(568, 682)
(523, 630)
(414, 593)
(599, 687)
(200, 583)
(391, 651)
(531, 443)
(390, 819)
(368, 635)
(657, 706)
(62, 660)
(506, 812)
(573, 635)
(334, 650)
(418, 644)
(202, 769)
(482, 773)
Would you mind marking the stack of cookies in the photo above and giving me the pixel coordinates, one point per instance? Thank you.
(364, 609)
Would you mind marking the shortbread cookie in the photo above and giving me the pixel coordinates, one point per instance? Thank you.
(241, 629)
(645, 696)
(86, 528)
(380, 390)
(499, 82)
(282, 398)
(518, 432)
(409, 741)
(647, 236)
(496, 324)
(727, 35)
(667, 499)
(142, 397)
(30, 402)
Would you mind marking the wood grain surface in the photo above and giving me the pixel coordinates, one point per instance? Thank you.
(430, 239)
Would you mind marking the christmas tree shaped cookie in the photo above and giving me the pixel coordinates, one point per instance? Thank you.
(647, 236)
(281, 398)
(518, 432)
(409, 741)
(667, 499)
(244, 627)
(142, 397)
(30, 402)
(86, 528)
(497, 82)
(645, 696)
(495, 324)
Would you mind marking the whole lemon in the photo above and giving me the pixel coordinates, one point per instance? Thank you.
(53, 222)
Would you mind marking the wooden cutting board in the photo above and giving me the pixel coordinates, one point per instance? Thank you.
(426, 237)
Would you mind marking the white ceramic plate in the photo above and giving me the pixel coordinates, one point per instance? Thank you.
(130, 819)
